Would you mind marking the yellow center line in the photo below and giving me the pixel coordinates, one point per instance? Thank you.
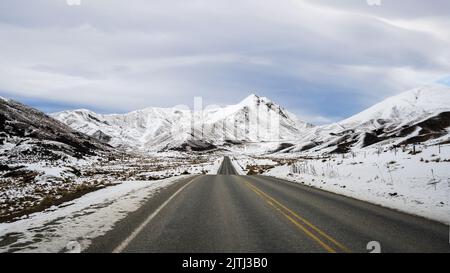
(296, 223)
(341, 246)
(322, 233)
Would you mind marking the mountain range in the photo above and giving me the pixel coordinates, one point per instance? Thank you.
(418, 115)
(421, 115)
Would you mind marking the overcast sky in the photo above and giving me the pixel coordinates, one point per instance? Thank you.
(322, 59)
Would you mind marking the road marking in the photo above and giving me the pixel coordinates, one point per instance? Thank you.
(331, 239)
(138, 230)
(306, 222)
(305, 230)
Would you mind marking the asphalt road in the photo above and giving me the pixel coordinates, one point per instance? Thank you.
(226, 168)
(257, 214)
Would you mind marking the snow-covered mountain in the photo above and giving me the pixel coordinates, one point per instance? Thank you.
(415, 116)
(255, 119)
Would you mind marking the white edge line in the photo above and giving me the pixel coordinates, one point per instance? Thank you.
(136, 232)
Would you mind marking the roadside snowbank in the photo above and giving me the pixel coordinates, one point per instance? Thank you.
(214, 168)
(72, 225)
(237, 166)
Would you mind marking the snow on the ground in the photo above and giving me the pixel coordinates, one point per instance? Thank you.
(417, 184)
(72, 225)
(237, 166)
(214, 168)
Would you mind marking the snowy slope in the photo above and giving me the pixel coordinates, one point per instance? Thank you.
(415, 116)
(404, 108)
(255, 119)
(40, 135)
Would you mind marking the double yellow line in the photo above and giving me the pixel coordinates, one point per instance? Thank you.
(319, 236)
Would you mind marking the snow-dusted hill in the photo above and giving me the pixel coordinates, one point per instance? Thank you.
(255, 119)
(416, 116)
(41, 160)
(29, 133)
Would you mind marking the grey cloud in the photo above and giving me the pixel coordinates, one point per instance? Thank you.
(393, 8)
(122, 55)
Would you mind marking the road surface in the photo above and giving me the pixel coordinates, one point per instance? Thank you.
(257, 214)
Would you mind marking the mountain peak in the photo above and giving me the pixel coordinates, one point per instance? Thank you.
(254, 99)
(253, 96)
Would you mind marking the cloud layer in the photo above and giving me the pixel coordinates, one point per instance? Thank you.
(321, 59)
